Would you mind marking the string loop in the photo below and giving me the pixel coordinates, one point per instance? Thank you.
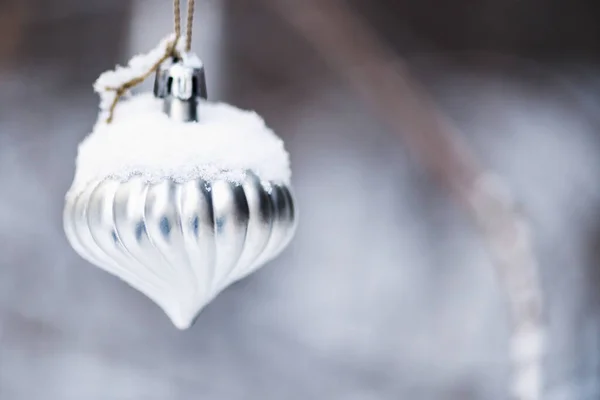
(190, 22)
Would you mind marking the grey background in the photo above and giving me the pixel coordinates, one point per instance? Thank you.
(387, 291)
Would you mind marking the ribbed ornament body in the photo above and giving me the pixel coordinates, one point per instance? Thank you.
(180, 243)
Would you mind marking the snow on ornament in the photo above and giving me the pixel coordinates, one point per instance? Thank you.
(177, 196)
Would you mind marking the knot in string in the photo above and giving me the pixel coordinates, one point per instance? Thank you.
(171, 51)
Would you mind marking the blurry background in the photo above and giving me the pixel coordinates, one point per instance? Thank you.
(387, 291)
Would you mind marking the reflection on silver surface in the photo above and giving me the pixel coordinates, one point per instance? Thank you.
(181, 83)
(180, 243)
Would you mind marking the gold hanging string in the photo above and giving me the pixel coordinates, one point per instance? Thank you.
(177, 18)
(171, 51)
(122, 89)
(190, 21)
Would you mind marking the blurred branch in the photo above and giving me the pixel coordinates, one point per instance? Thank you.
(383, 79)
(13, 16)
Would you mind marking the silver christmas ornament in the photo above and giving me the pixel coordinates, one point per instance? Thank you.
(181, 242)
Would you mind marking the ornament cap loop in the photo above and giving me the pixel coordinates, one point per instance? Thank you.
(181, 82)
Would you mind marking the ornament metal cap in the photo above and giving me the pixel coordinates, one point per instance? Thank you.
(181, 83)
